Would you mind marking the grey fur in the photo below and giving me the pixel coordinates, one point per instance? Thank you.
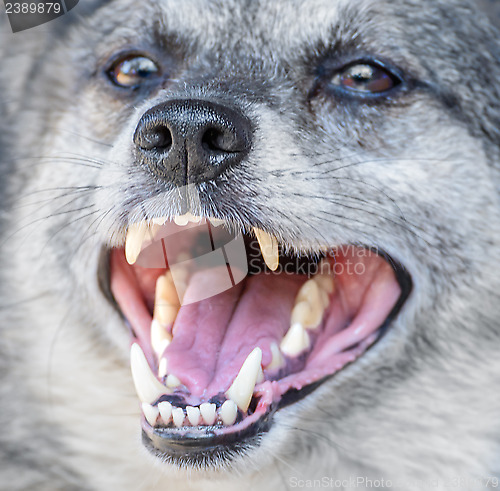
(417, 176)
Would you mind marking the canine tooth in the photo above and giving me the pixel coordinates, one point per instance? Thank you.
(150, 413)
(193, 414)
(178, 416)
(160, 337)
(136, 235)
(295, 341)
(277, 360)
(228, 412)
(173, 381)
(241, 390)
(208, 413)
(165, 409)
(269, 248)
(147, 386)
(162, 368)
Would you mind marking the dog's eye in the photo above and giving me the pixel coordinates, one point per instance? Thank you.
(365, 79)
(133, 70)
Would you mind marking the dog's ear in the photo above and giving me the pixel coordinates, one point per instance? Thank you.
(492, 9)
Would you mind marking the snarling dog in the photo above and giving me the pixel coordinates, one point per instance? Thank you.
(347, 150)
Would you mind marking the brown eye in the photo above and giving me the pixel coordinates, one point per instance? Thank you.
(132, 71)
(365, 79)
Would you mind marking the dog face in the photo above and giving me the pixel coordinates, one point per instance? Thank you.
(359, 135)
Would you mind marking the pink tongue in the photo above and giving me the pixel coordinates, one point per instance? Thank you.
(213, 337)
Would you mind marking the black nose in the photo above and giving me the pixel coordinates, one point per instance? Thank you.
(192, 141)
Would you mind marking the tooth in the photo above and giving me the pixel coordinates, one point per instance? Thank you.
(165, 409)
(160, 221)
(325, 282)
(162, 368)
(277, 360)
(193, 218)
(216, 222)
(173, 381)
(295, 341)
(181, 220)
(150, 413)
(228, 412)
(309, 294)
(260, 376)
(325, 298)
(160, 338)
(147, 386)
(193, 414)
(269, 248)
(300, 313)
(136, 235)
(208, 413)
(325, 277)
(166, 300)
(178, 416)
(241, 390)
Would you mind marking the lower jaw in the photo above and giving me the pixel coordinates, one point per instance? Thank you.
(300, 374)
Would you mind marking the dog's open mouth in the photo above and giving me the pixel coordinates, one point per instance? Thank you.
(227, 329)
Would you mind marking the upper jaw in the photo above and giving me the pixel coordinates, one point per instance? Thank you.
(206, 425)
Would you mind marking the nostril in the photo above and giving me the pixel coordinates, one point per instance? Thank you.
(216, 140)
(159, 138)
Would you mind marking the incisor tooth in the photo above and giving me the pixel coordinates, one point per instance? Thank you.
(182, 220)
(193, 414)
(160, 338)
(269, 248)
(241, 390)
(150, 413)
(193, 218)
(165, 409)
(208, 412)
(147, 386)
(216, 222)
(178, 416)
(160, 220)
(277, 360)
(295, 341)
(228, 412)
(136, 234)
